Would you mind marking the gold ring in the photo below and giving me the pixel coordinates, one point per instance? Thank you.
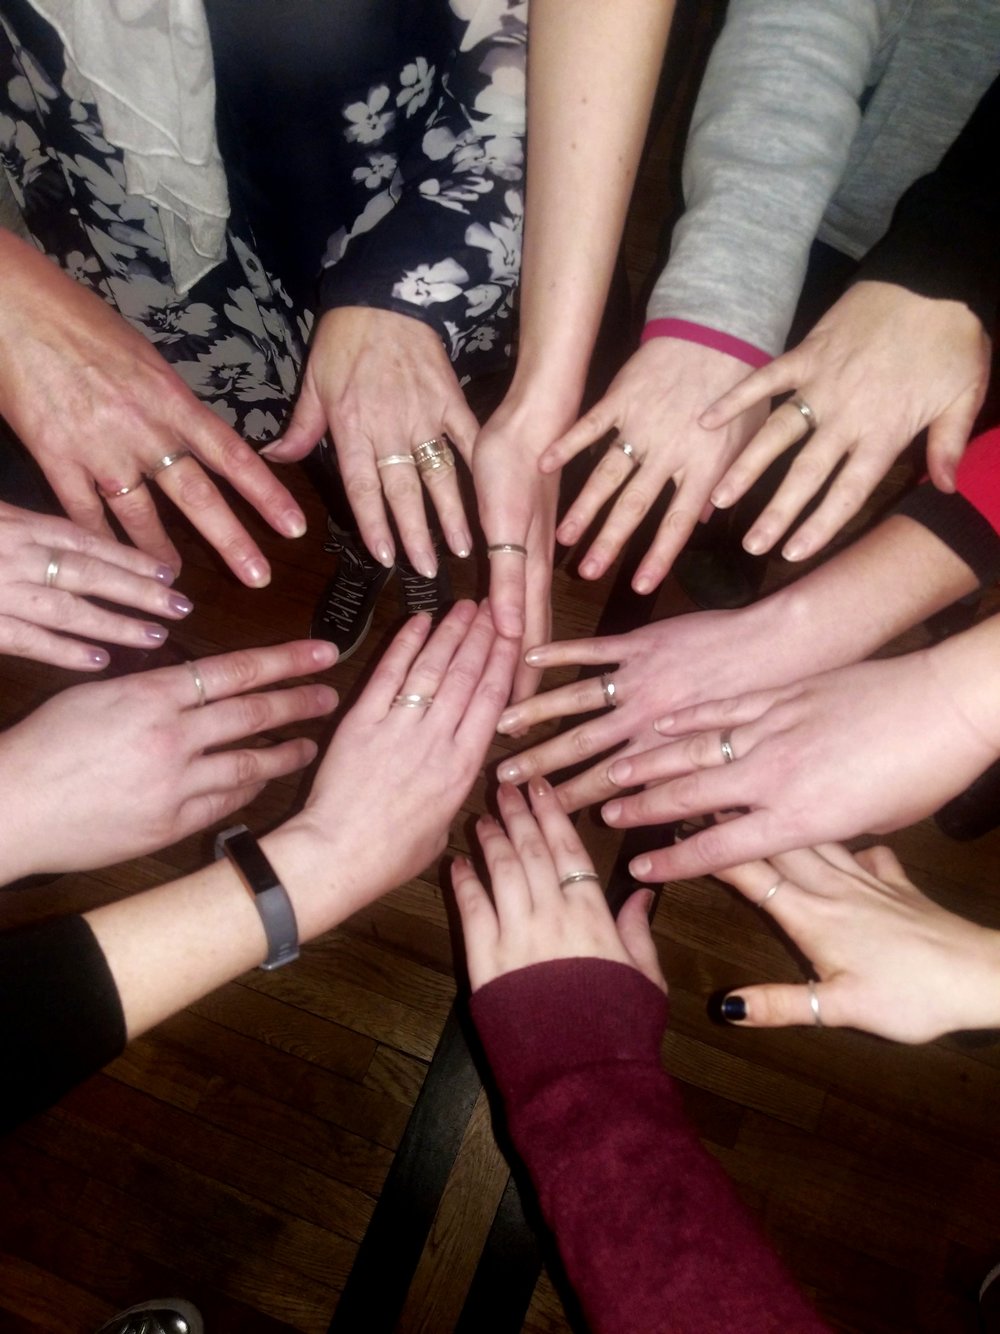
(433, 455)
(122, 490)
(167, 461)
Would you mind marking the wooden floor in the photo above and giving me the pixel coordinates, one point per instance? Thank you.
(235, 1155)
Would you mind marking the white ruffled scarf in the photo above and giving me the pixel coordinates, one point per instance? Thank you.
(147, 64)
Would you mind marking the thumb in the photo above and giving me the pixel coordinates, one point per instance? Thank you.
(635, 935)
(307, 426)
(947, 437)
(774, 1005)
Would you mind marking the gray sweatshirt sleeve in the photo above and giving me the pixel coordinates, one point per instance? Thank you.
(769, 139)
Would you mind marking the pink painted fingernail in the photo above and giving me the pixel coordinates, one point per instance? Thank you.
(98, 657)
(509, 772)
(640, 866)
(164, 573)
(155, 632)
(611, 811)
(540, 787)
(179, 604)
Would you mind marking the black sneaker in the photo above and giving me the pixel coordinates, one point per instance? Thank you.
(418, 593)
(165, 1315)
(346, 606)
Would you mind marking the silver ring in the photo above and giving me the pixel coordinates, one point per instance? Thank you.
(726, 746)
(627, 449)
(167, 461)
(433, 455)
(609, 690)
(809, 416)
(507, 549)
(390, 460)
(199, 684)
(413, 701)
(770, 893)
(52, 569)
(814, 1004)
(575, 878)
(122, 490)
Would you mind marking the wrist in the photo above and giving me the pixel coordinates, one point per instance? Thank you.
(306, 866)
(704, 335)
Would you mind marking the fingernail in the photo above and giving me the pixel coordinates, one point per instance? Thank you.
(155, 632)
(733, 1009)
(324, 654)
(642, 583)
(179, 604)
(640, 866)
(164, 573)
(611, 811)
(794, 550)
(663, 724)
(293, 523)
(461, 544)
(258, 573)
(754, 543)
(619, 773)
(568, 533)
(508, 721)
(98, 657)
(534, 657)
(539, 787)
(268, 450)
(512, 625)
(648, 898)
(590, 569)
(509, 772)
(426, 564)
(384, 555)
(722, 498)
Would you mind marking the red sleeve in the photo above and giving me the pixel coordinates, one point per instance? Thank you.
(979, 476)
(648, 1225)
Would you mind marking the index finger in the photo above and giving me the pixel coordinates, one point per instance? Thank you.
(230, 674)
(222, 450)
(196, 495)
(775, 378)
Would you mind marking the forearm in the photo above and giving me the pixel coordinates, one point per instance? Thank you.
(769, 139)
(649, 1228)
(592, 73)
(966, 666)
(888, 581)
(169, 946)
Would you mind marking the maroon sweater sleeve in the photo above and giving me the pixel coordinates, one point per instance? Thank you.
(650, 1231)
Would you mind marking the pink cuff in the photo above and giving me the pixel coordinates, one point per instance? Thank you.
(714, 338)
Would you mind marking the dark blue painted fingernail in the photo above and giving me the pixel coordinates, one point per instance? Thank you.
(733, 1009)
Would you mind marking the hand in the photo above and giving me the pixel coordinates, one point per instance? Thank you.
(533, 918)
(381, 384)
(654, 404)
(98, 407)
(661, 667)
(517, 506)
(50, 567)
(115, 769)
(394, 777)
(889, 960)
(867, 748)
(881, 365)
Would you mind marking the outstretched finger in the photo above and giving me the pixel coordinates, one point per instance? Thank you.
(613, 469)
(635, 934)
(755, 836)
(387, 679)
(486, 694)
(567, 855)
(511, 891)
(777, 377)
(585, 696)
(850, 489)
(230, 720)
(722, 713)
(779, 1005)
(26, 639)
(198, 683)
(480, 928)
(596, 422)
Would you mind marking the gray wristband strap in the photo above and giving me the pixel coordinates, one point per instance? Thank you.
(269, 894)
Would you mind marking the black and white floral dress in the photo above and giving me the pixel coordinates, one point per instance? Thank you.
(374, 154)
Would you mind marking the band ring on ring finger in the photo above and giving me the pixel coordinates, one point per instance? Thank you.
(167, 461)
(52, 569)
(808, 415)
(434, 455)
(578, 877)
(726, 746)
(121, 490)
(412, 700)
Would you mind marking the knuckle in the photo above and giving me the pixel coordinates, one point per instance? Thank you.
(583, 743)
(361, 486)
(246, 767)
(493, 694)
(240, 670)
(255, 712)
(633, 503)
(195, 491)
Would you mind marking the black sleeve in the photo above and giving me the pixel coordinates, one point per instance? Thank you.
(958, 524)
(944, 241)
(60, 1016)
